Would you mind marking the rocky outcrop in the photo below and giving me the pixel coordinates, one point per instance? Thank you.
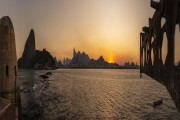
(43, 60)
(29, 52)
(35, 59)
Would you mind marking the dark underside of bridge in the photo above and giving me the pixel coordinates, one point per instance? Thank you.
(151, 40)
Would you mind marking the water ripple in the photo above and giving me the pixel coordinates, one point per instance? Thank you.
(98, 95)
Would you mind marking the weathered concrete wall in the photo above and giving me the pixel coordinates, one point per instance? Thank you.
(9, 81)
(151, 41)
(7, 110)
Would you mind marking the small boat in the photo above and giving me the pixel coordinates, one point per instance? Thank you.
(157, 103)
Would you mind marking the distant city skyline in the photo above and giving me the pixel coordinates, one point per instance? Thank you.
(109, 28)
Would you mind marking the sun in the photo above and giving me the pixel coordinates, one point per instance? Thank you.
(111, 60)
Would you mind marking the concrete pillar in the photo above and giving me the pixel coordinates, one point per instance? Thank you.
(9, 82)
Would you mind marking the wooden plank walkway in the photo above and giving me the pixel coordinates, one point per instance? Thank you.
(7, 110)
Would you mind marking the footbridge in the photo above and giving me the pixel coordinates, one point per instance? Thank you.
(151, 41)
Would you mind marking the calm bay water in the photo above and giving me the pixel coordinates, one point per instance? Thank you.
(95, 94)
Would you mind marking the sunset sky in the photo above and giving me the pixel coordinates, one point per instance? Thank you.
(99, 27)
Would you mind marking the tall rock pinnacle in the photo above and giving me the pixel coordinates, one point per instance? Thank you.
(29, 52)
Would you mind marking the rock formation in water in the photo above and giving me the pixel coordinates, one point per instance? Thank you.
(43, 60)
(35, 59)
(29, 52)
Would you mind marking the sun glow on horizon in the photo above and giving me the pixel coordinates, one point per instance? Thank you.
(98, 27)
(110, 59)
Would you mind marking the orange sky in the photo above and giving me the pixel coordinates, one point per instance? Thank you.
(99, 27)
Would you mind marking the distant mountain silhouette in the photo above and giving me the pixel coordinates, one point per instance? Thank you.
(58, 63)
(128, 65)
(82, 60)
(66, 62)
(79, 59)
(36, 59)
